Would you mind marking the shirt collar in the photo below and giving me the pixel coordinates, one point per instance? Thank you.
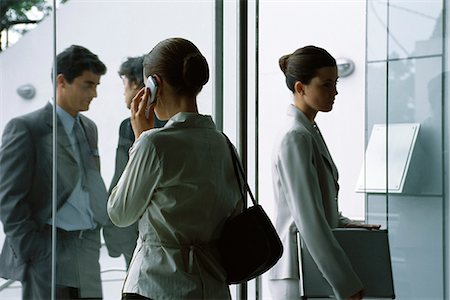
(188, 119)
(66, 119)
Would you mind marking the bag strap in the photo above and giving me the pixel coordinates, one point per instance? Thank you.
(239, 170)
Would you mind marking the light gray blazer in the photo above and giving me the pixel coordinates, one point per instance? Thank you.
(305, 181)
(26, 189)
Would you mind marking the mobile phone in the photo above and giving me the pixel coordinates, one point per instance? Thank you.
(152, 84)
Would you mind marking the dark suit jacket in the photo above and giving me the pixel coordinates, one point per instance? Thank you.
(26, 185)
(123, 240)
(126, 140)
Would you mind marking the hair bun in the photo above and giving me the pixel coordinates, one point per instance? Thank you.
(195, 70)
(283, 62)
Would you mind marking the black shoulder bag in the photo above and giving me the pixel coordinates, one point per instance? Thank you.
(249, 244)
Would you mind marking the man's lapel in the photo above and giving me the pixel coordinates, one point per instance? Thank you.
(63, 142)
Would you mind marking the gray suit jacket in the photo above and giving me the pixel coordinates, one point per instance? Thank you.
(306, 187)
(26, 187)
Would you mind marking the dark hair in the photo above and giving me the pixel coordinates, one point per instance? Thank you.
(180, 63)
(132, 69)
(302, 65)
(73, 61)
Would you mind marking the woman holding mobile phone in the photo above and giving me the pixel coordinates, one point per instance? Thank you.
(179, 183)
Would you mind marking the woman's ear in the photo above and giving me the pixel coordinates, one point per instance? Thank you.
(299, 88)
(158, 79)
(159, 82)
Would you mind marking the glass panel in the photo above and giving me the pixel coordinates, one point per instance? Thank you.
(115, 31)
(376, 114)
(377, 209)
(26, 152)
(446, 132)
(113, 39)
(230, 70)
(376, 95)
(377, 26)
(415, 28)
(415, 96)
(416, 246)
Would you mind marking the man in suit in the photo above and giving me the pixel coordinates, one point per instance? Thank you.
(123, 240)
(26, 188)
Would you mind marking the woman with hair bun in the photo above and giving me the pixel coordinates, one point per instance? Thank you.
(305, 181)
(179, 183)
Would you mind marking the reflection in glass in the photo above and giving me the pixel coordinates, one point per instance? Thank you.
(376, 102)
(422, 18)
(26, 188)
(377, 26)
(25, 200)
(406, 87)
(415, 228)
(415, 96)
(114, 30)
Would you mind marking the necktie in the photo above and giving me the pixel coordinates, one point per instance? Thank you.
(91, 180)
(83, 150)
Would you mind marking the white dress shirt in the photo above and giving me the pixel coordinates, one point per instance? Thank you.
(180, 184)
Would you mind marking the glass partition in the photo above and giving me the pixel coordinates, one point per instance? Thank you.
(405, 76)
(115, 31)
(26, 148)
(422, 18)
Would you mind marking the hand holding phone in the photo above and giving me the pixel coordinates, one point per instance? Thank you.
(152, 84)
(140, 119)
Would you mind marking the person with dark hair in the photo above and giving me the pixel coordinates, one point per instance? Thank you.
(131, 73)
(26, 188)
(123, 240)
(305, 181)
(179, 183)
